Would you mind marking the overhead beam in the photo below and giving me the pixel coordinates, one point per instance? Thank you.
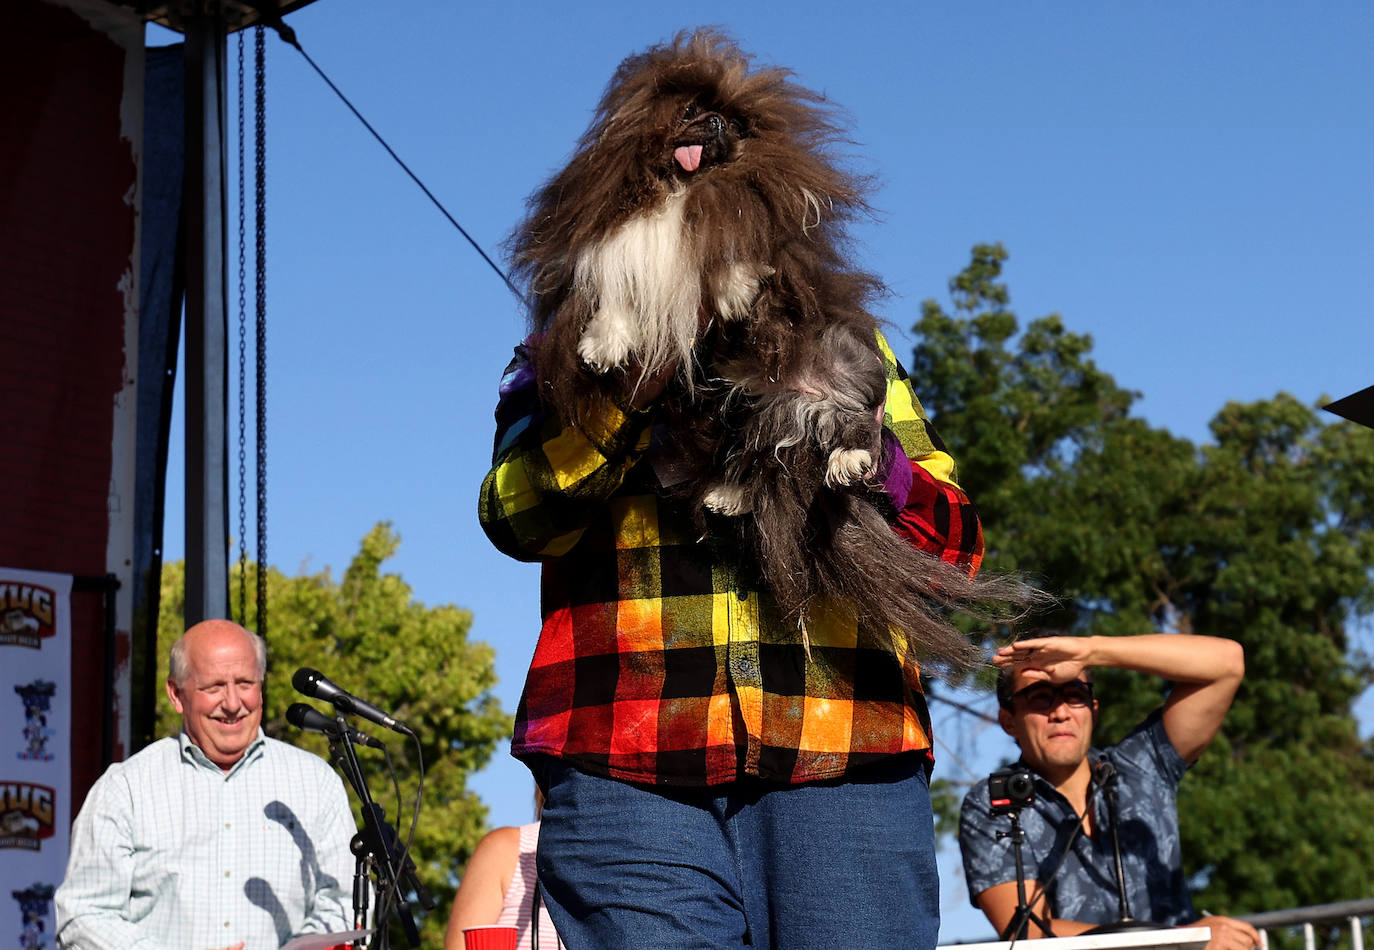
(234, 14)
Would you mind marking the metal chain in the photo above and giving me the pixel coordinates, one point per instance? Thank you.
(243, 343)
(260, 48)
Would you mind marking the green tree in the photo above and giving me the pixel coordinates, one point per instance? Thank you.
(369, 634)
(1264, 534)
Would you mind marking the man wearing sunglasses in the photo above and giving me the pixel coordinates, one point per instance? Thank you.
(1048, 707)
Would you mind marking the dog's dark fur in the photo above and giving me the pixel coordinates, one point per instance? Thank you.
(699, 230)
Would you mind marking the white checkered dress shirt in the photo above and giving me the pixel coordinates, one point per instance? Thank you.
(169, 851)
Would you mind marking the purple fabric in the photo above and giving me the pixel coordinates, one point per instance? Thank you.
(894, 472)
(520, 373)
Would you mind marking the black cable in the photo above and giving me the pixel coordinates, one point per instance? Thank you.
(289, 36)
(383, 916)
(930, 694)
(534, 917)
(419, 797)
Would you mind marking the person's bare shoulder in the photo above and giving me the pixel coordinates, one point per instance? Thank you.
(494, 858)
(500, 841)
(482, 890)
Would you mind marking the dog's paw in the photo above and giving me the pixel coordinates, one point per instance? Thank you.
(735, 295)
(848, 466)
(607, 342)
(729, 500)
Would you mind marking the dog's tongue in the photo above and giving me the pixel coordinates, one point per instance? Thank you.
(688, 156)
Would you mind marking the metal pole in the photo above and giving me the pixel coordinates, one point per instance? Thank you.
(107, 739)
(207, 446)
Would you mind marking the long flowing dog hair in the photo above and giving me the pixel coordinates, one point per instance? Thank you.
(699, 229)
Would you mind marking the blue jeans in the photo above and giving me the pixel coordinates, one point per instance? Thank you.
(833, 864)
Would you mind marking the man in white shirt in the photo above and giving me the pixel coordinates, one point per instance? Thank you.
(218, 837)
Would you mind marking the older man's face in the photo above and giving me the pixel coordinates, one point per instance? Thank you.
(221, 701)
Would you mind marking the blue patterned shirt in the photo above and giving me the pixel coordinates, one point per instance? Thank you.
(169, 851)
(1084, 889)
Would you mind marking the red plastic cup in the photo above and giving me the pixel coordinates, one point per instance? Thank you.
(490, 937)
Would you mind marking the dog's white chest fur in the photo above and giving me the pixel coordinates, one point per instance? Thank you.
(647, 287)
(648, 291)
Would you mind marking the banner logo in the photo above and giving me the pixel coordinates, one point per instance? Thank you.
(37, 697)
(27, 614)
(35, 907)
(26, 815)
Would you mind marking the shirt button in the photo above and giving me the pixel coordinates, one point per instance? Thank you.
(227, 825)
(226, 873)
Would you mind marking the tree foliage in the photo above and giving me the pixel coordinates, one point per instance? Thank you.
(1265, 535)
(367, 633)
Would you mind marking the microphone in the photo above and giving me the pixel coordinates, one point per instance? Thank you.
(1104, 773)
(303, 716)
(316, 685)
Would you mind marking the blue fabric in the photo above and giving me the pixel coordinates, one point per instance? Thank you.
(161, 292)
(845, 863)
(1084, 889)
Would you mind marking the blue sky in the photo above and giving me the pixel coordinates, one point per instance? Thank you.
(1188, 183)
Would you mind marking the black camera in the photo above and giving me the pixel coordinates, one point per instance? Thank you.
(1010, 790)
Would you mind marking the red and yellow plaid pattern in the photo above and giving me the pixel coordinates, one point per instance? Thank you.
(662, 659)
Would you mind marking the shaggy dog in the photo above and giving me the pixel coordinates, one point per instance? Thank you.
(695, 243)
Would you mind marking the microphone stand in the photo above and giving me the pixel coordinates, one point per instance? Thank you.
(1109, 788)
(1105, 775)
(362, 865)
(406, 869)
(371, 848)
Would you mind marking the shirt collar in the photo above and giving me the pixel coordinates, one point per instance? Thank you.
(1046, 790)
(192, 753)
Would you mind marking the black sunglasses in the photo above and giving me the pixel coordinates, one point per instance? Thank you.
(1042, 697)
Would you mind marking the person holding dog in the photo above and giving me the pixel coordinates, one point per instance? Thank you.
(706, 782)
(1047, 705)
(750, 536)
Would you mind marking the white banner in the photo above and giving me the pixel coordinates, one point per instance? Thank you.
(35, 751)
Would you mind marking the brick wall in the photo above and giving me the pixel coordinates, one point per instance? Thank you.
(67, 235)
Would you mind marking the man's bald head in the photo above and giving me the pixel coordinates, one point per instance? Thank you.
(204, 633)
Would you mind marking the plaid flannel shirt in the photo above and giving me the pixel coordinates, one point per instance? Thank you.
(663, 658)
